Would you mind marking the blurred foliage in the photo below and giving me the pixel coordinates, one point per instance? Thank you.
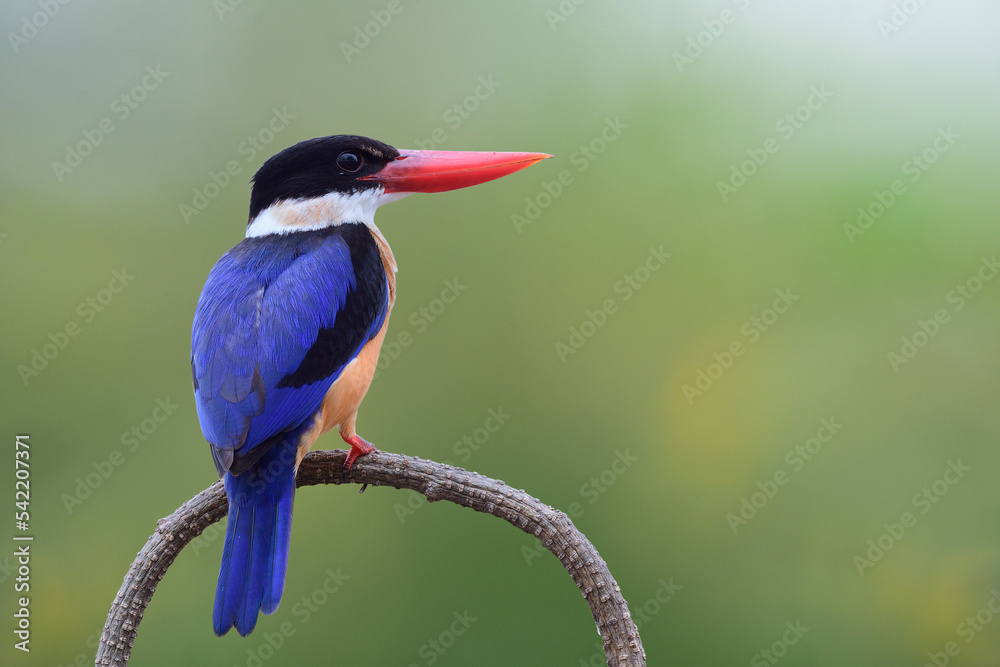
(642, 138)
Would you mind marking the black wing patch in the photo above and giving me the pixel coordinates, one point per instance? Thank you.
(359, 320)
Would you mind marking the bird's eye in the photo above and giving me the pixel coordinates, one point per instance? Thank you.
(349, 161)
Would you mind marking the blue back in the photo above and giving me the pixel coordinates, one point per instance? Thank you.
(279, 318)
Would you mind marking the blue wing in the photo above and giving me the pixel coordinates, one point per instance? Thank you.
(279, 318)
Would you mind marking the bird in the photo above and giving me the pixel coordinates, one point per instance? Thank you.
(287, 332)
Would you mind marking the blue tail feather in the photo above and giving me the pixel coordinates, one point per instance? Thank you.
(255, 553)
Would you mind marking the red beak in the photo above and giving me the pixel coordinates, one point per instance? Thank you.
(439, 171)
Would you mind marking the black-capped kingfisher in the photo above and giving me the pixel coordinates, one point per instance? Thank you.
(287, 333)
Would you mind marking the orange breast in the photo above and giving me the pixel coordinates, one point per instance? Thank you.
(341, 403)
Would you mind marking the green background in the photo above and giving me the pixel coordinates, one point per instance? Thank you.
(682, 128)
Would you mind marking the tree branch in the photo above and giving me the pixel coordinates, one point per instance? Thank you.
(436, 481)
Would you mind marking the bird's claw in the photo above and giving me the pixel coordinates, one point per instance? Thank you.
(359, 447)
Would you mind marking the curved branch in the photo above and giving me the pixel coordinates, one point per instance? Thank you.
(436, 481)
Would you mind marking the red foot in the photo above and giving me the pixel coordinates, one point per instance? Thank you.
(359, 447)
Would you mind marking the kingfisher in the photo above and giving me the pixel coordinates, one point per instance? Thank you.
(287, 333)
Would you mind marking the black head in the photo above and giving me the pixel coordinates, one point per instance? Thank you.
(317, 167)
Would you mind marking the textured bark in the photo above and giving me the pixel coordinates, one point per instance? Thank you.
(436, 481)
